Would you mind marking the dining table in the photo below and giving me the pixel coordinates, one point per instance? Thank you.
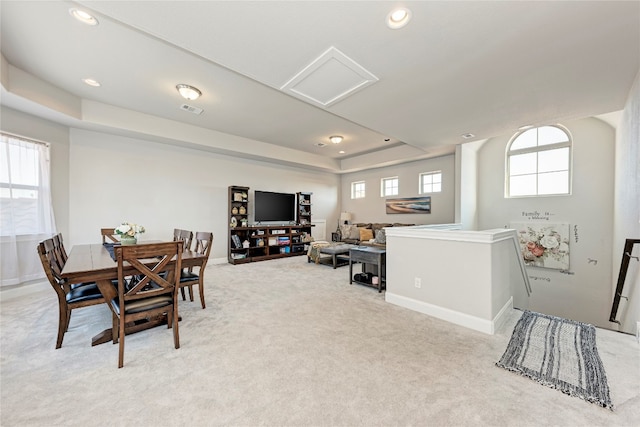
(95, 263)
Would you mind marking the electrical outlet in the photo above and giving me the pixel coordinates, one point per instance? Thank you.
(418, 282)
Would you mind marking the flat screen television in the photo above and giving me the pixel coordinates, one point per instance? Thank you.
(274, 207)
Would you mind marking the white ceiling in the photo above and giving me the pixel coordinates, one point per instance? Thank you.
(459, 67)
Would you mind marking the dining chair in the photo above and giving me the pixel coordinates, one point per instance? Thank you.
(110, 235)
(70, 296)
(184, 235)
(157, 269)
(204, 241)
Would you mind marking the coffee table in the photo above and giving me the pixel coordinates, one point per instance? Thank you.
(339, 253)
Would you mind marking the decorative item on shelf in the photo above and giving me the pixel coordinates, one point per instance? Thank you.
(237, 197)
(242, 210)
(245, 244)
(244, 222)
(234, 222)
(234, 211)
(260, 242)
(236, 241)
(244, 197)
(128, 233)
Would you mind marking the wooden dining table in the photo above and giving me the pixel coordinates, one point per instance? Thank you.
(94, 263)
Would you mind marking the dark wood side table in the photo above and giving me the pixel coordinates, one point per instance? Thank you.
(368, 255)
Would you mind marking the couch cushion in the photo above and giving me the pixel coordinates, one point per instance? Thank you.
(366, 234)
(381, 237)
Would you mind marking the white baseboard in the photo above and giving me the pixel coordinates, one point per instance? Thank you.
(456, 317)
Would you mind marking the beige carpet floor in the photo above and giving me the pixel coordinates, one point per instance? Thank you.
(286, 343)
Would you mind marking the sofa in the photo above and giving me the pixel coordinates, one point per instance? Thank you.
(372, 234)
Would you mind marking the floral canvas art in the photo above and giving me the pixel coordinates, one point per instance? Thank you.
(543, 244)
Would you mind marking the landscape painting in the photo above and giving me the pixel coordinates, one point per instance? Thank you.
(409, 205)
(544, 245)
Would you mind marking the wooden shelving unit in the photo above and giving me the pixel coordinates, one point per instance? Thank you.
(251, 243)
(304, 208)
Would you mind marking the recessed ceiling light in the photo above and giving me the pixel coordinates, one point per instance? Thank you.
(341, 152)
(398, 18)
(188, 92)
(336, 139)
(82, 16)
(467, 135)
(92, 82)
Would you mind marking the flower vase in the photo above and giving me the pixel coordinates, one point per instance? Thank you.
(128, 240)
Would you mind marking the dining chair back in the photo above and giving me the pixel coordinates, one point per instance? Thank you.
(204, 242)
(147, 276)
(109, 234)
(70, 296)
(61, 252)
(183, 235)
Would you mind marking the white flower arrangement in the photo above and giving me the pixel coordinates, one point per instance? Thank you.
(129, 229)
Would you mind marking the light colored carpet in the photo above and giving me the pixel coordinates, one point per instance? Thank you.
(286, 343)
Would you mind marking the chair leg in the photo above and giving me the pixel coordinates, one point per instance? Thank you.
(176, 335)
(201, 289)
(114, 327)
(62, 326)
(184, 298)
(121, 346)
(191, 292)
(68, 320)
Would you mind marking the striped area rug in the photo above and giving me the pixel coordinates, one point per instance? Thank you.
(558, 353)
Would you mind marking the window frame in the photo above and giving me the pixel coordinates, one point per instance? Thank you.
(421, 182)
(383, 186)
(356, 193)
(538, 148)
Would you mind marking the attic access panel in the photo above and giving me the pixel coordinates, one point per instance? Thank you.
(329, 79)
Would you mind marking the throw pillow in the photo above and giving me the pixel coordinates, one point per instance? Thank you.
(381, 237)
(366, 234)
(354, 233)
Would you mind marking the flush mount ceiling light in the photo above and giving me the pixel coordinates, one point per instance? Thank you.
(82, 16)
(188, 92)
(467, 135)
(398, 18)
(336, 139)
(92, 82)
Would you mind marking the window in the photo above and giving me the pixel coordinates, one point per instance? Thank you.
(389, 186)
(430, 182)
(357, 190)
(538, 162)
(26, 213)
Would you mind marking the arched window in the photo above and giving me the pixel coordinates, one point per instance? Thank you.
(539, 162)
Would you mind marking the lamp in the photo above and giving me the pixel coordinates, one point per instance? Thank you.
(336, 139)
(188, 92)
(345, 217)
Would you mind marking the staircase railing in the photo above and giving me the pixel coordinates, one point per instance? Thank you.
(624, 266)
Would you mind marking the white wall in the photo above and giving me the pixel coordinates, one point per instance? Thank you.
(114, 179)
(584, 293)
(627, 207)
(100, 180)
(372, 207)
(466, 277)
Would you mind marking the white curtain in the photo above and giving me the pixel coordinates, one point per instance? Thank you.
(26, 211)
